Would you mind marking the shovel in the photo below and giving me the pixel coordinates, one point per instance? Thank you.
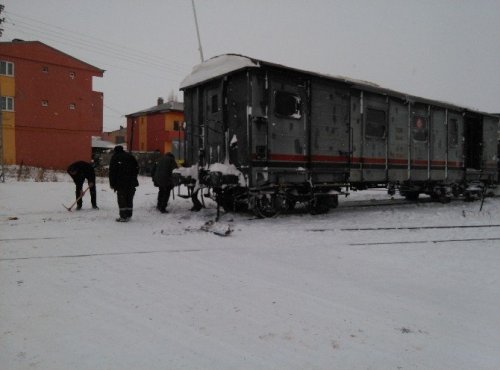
(77, 199)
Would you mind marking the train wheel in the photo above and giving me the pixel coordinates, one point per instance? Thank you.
(334, 201)
(319, 205)
(231, 200)
(440, 196)
(411, 195)
(265, 205)
(284, 203)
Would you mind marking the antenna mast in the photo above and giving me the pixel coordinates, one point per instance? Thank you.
(197, 32)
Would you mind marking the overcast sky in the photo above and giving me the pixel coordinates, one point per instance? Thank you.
(441, 49)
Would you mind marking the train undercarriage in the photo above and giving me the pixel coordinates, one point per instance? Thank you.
(271, 199)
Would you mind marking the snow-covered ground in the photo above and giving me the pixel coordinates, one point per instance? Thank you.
(81, 291)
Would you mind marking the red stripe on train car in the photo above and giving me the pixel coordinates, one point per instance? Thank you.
(288, 158)
(360, 160)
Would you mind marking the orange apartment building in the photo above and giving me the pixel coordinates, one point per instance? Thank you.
(158, 128)
(49, 110)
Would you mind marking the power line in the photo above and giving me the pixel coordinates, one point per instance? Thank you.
(100, 50)
(126, 50)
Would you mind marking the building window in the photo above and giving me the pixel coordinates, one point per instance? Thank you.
(376, 124)
(45, 69)
(453, 132)
(177, 126)
(72, 106)
(287, 105)
(45, 103)
(72, 75)
(420, 131)
(8, 103)
(6, 68)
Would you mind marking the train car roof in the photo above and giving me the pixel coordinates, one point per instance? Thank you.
(225, 64)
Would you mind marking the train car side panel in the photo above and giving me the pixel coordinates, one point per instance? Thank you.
(213, 125)
(356, 120)
(438, 144)
(373, 140)
(236, 100)
(490, 142)
(330, 146)
(398, 141)
(192, 134)
(455, 150)
(287, 127)
(419, 142)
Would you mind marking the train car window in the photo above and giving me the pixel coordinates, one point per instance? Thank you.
(215, 104)
(453, 132)
(287, 104)
(420, 131)
(376, 126)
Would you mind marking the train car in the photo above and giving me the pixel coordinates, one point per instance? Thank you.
(264, 137)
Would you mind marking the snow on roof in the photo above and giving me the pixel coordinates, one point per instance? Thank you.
(217, 66)
(223, 64)
(165, 107)
(97, 142)
(227, 63)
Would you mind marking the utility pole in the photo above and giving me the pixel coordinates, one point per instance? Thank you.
(197, 32)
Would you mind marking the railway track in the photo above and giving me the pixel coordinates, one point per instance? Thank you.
(427, 241)
(403, 228)
(417, 227)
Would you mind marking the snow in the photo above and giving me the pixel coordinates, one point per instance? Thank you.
(81, 291)
(228, 169)
(215, 67)
(234, 141)
(188, 172)
(97, 142)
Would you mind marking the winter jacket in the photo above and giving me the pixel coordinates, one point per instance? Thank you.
(84, 170)
(163, 172)
(123, 170)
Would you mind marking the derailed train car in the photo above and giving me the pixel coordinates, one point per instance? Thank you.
(264, 137)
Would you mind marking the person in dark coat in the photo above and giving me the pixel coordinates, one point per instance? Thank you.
(162, 178)
(123, 171)
(79, 172)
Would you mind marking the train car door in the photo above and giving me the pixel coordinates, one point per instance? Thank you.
(398, 141)
(330, 148)
(419, 143)
(455, 153)
(374, 138)
(473, 142)
(213, 127)
(438, 144)
(490, 143)
(287, 138)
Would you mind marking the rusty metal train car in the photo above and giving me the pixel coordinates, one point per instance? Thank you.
(298, 136)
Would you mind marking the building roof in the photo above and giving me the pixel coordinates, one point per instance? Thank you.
(221, 65)
(38, 51)
(97, 142)
(161, 108)
(216, 67)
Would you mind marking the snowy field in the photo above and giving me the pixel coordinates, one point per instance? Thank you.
(359, 288)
